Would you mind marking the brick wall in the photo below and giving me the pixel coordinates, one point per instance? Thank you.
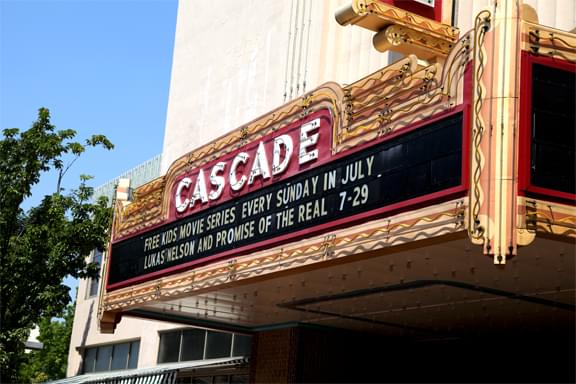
(313, 354)
(274, 356)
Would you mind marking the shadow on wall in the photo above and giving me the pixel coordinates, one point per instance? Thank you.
(80, 348)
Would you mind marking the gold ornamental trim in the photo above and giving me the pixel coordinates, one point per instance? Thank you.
(143, 212)
(424, 224)
(548, 217)
(548, 41)
(405, 40)
(402, 94)
(375, 15)
(399, 30)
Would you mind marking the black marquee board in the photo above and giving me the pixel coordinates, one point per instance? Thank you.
(418, 163)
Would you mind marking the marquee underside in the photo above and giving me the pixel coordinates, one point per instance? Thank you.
(429, 290)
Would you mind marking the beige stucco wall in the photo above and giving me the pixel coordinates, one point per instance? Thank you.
(236, 60)
(85, 333)
(560, 14)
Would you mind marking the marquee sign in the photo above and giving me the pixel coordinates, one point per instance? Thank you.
(286, 186)
(303, 144)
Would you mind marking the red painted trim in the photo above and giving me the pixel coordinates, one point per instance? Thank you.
(525, 187)
(551, 194)
(550, 61)
(388, 210)
(109, 250)
(467, 125)
(524, 152)
(434, 13)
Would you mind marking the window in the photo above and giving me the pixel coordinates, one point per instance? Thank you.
(111, 357)
(120, 356)
(93, 283)
(553, 126)
(169, 347)
(200, 344)
(242, 345)
(103, 358)
(237, 378)
(548, 128)
(192, 344)
(218, 344)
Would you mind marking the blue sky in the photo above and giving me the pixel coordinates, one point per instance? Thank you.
(100, 66)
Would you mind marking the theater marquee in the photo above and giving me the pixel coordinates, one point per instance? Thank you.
(288, 185)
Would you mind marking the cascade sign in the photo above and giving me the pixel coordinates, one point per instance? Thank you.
(288, 186)
(282, 154)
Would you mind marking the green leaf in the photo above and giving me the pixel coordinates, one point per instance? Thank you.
(44, 245)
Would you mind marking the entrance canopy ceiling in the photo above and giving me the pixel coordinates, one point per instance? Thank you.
(434, 290)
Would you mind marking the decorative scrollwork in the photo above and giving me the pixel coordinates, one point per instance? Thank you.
(306, 102)
(231, 274)
(348, 107)
(384, 121)
(481, 26)
(396, 36)
(243, 134)
(328, 245)
(404, 70)
(547, 42)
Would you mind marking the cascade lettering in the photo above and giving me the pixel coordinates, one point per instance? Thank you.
(282, 152)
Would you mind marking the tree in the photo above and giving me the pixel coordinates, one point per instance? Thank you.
(40, 247)
(49, 363)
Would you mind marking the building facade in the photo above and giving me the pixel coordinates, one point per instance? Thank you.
(86, 339)
(357, 191)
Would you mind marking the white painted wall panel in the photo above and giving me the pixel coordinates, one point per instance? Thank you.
(236, 60)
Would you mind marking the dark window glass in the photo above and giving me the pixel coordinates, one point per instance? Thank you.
(417, 150)
(111, 357)
(103, 358)
(120, 356)
(242, 345)
(169, 347)
(416, 179)
(393, 189)
(423, 161)
(553, 129)
(445, 171)
(93, 283)
(392, 157)
(193, 344)
(218, 344)
(133, 358)
(202, 380)
(89, 359)
(221, 379)
(239, 379)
